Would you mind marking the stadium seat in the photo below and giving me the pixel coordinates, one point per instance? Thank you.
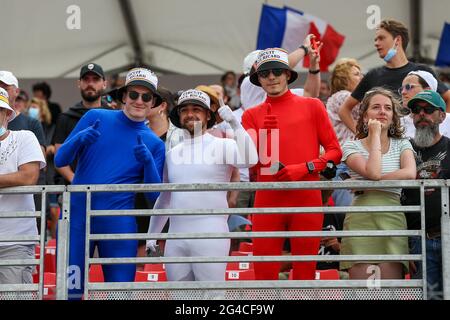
(235, 275)
(239, 265)
(331, 274)
(150, 276)
(96, 273)
(246, 247)
(50, 260)
(154, 267)
(51, 243)
(240, 253)
(49, 286)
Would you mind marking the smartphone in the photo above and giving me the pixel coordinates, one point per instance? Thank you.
(277, 166)
(313, 44)
(344, 176)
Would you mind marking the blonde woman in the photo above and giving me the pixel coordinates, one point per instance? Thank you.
(380, 153)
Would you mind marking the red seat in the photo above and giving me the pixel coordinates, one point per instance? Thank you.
(331, 274)
(154, 267)
(150, 276)
(237, 275)
(240, 265)
(246, 247)
(240, 253)
(49, 286)
(50, 260)
(96, 273)
(51, 243)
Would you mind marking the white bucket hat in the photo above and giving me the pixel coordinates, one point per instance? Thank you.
(4, 103)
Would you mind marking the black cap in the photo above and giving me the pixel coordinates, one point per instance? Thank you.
(92, 67)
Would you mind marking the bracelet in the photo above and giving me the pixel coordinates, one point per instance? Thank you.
(304, 48)
(314, 71)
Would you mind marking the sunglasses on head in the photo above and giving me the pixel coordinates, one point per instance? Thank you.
(428, 109)
(146, 97)
(407, 87)
(266, 73)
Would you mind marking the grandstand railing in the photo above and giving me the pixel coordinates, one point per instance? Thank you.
(131, 290)
(314, 289)
(28, 291)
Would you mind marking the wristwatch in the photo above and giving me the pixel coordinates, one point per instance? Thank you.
(304, 48)
(311, 167)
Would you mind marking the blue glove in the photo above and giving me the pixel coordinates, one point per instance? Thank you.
(90, 134)
(141, 151)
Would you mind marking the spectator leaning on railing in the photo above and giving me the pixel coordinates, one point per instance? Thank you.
(433, 162)
(380, 154)
(21, 159)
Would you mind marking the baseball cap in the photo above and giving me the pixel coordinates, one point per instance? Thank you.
(92, 67)
(429, 96)
(427, 77)
(269, 59)
(8, 78)
(195, 97)
(22, 96)
(4, 103)
(142, 77)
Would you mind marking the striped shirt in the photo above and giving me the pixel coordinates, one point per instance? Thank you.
(390, 161)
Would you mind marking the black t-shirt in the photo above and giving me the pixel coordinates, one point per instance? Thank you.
(391, 78)
(432, 163)
(24, 122)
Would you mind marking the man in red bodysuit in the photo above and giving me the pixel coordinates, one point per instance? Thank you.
(296, 127)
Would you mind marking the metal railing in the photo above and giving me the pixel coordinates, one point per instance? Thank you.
(360, 185)
(243, 289)
(28, 291)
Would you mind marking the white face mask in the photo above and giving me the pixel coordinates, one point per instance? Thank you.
(3, 119)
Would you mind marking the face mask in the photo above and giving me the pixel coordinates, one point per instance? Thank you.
(33, 113)
(391, 53)
(2, 128)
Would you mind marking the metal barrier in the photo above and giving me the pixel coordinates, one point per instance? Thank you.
(27, 291)
(410, 289)
(293, 289)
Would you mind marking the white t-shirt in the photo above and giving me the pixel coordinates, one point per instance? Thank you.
(410, 129)
(390, 161)
(20, 147)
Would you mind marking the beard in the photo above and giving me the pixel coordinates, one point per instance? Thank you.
(424, 136)
(194, 128)
(89, 96)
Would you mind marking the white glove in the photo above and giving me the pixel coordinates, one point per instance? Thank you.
(151, 245)
(226, 114)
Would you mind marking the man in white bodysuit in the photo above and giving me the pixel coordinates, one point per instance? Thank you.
(200, 158)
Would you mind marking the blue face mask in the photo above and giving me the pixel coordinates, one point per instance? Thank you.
(2, 131)
(391, 53)
(33, 113)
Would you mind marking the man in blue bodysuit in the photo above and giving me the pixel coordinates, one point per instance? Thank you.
(113, 147)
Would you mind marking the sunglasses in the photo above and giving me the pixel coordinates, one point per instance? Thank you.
(428, 109)
(406, 87)
(146, 97)
(266, 73)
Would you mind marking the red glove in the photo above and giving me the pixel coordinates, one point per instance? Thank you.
(293, 172)
(270, 120)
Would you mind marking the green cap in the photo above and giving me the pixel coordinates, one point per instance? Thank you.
(432, 97)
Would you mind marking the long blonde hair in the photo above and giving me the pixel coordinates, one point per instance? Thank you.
(45, 114)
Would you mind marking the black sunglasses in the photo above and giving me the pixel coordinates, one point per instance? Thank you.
(146, 97)
(428, 109)
(265, 73)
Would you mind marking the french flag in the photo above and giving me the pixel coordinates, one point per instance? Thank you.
(287, 28)
(443, 56)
